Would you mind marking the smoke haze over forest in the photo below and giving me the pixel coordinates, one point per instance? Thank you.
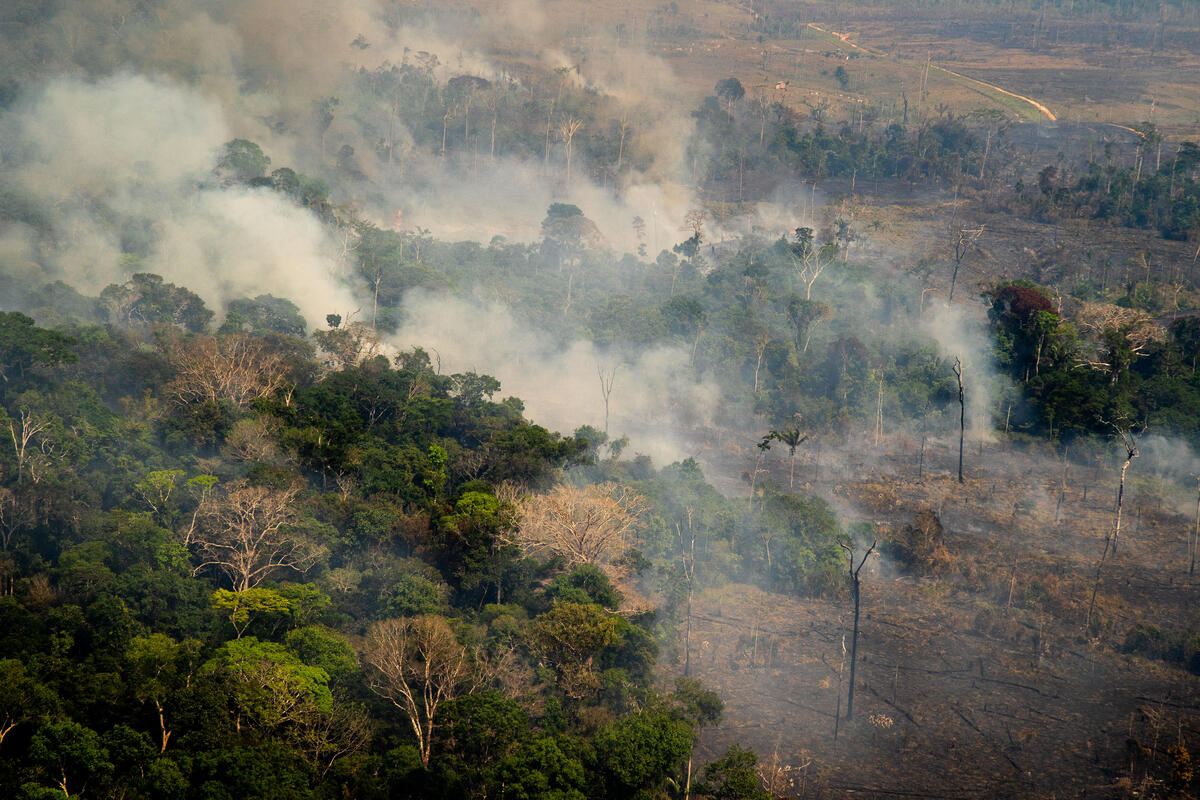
(662, 378)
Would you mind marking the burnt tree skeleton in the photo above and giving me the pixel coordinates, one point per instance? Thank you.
(962, 415)
(687, 556)
(962, 245)
(1195, 537)
(1129, 440)
(607, 379)
(856, 591)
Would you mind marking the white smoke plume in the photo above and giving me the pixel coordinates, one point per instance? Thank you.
(960, 331)
(134, 153)
(655, 397)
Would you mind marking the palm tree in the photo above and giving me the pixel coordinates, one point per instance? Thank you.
(792, 438)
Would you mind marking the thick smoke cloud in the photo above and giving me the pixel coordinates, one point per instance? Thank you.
(123, 167)
(654, 397)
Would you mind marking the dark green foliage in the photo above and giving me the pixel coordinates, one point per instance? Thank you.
(730, 90)
(146, 300)
(412, 594)
(242, 161)
(116, 646)
(263, 314)
(584, 584)
(1074, 386)
(1175, 646)
(636, 752)
(733, 776)
(743, 145)
(562, 211)
(23, 345)
(1158, 192)
(798, 544)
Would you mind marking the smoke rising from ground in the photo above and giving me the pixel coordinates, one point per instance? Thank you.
(121, 172)
(960, 332)
(654, 396)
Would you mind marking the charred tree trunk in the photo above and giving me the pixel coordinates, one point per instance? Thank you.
(1195, 531)
(962, 416)
(1110, 541)
(856, 592)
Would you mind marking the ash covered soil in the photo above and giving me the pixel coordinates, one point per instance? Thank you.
(982, 680)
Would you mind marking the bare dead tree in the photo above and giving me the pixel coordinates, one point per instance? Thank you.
(246, 535)
(201, 489)
(567, 130)
(856, 593)
(1195, 538)
(760, 347)
(1129, 440)
(687, 559)
(879, 411)
(417, 664)
(325, 736)
(967, 237)
(582, 524)
(837, 712)
(30, 426)
(624, 131)
(606, 386)
(962, 415)
(812, 264)
(348, 343)
(237, 368)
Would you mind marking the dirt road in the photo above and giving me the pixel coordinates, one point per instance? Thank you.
(844, 37)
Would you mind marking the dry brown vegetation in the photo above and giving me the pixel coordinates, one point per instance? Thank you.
(991, 682)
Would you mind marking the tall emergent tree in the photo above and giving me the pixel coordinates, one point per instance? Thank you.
(417, 664)
(247, 535)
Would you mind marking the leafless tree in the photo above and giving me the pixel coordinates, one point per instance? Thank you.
(1105, 323)
(962, 415)
(607, 378)
(1129, 441)
(687, 560)
(582, 524)
(567, 130)
(761, 341)
(417, 664)
(763, 446)
(252, 440)
(246, 534)
(348, 343)
(856, 593)
(693, 221)
(1194, 540)
(238, 368)
(624, 132)
(812, 264)
(201, 488)
(325, 736)
(23, 433)
(963, 244)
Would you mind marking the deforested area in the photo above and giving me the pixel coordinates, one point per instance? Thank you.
(583, 400)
